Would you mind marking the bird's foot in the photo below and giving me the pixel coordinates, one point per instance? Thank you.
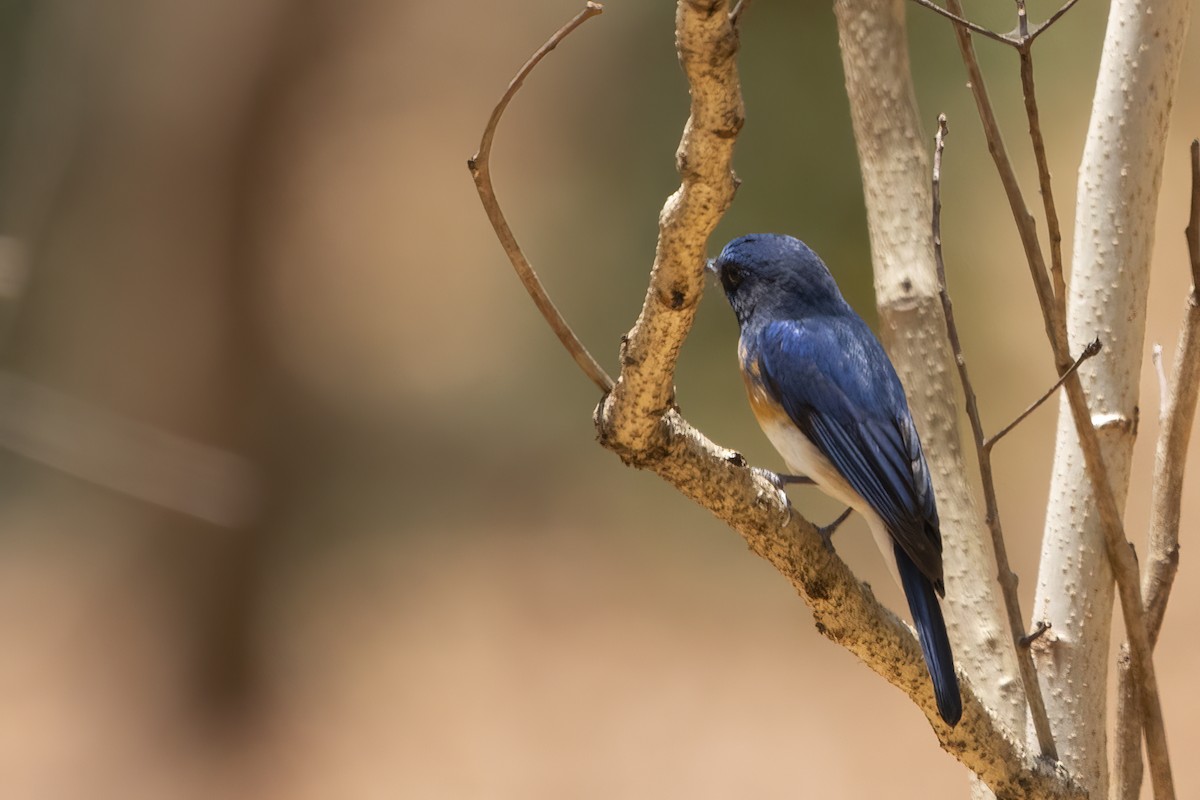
(783, 480)
(778, 482)
(828, 530)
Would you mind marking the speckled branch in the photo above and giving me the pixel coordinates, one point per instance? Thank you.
(630, 419)
(844, 609)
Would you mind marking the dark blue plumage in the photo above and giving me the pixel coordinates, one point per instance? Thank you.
(829, 399)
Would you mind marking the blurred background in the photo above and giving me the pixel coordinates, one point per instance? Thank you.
(299, 497)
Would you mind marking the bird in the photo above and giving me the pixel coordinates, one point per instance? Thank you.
(828, 398)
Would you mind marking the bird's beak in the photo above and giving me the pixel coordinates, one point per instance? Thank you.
(711, 266)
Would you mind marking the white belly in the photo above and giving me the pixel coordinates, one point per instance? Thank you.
(803, 458)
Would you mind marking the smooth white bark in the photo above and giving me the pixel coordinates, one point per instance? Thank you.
(1114, 235)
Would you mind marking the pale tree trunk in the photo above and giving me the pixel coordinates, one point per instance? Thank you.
(1114, 235)
(894, 156)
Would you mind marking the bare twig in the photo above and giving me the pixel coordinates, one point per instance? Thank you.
(1192, 232)
(1127, 736)
(1170, 457)
(1005, 576)
(1024, 37)
(1035, 634)
(1179, 411)
(1053, 307)
(1160, 373)
(480, 166)
(735, 16)
(1092, 349)
(1025, 52)
(1026, 227)
(958, 19)
(1055, 17)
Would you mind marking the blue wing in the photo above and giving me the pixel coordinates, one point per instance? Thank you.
(835, 382)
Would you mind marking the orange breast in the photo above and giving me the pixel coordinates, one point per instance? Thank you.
(766, 410)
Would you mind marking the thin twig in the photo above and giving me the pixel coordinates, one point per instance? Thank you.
(1035, 634)
(1192, 231)
(1005, 576)
(1160, 372)
(1055, 17)
(480, 166)
(735, 16)
(1025, 52)
(1176, 415)
(1120, 555)
(958, 19)
(1179, 411)
(1024, 37)
(1092, 349)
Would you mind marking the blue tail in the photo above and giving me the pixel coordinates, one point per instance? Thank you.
(931, 630)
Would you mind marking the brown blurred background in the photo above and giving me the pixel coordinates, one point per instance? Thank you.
(300, 497)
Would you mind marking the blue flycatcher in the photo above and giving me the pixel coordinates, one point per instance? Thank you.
(828, 398)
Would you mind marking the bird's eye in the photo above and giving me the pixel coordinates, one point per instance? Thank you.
(731, 277)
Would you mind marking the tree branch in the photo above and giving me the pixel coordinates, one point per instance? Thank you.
(631, 419)
(1055, 17)
(1170, 459)
(845, 610)
(1025, 53)
(961, 21)
(1004, 574)
(637, 420)
(1024, 37)
(1053, 307)
(480, 167)
(1092, 349)
(1179, 411)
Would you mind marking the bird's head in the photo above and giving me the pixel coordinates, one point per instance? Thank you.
(775, 275)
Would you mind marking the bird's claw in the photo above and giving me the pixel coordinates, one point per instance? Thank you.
(778, 482)
(827, 531)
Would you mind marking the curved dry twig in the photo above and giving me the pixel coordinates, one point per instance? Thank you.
(480, 167)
